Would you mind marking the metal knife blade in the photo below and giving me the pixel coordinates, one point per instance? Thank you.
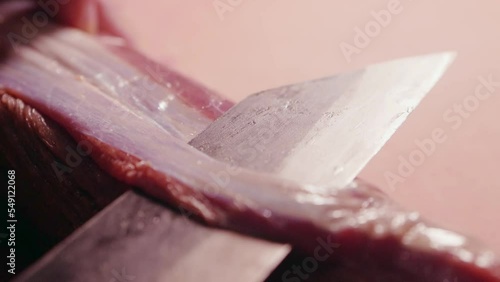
(324, 132)
(303, 132)
(138, 239)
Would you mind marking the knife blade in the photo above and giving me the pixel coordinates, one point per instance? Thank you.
(304, 132)
(138, 239)
(324, 132)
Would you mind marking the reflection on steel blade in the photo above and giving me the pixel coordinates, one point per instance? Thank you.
(323, 132)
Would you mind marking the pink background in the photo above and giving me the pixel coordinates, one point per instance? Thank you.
(266, 43)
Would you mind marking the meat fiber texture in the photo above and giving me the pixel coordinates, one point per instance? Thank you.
(137, 117)
(41, 150)
(59, 187)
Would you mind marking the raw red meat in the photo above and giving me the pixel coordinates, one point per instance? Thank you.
(138, 125)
